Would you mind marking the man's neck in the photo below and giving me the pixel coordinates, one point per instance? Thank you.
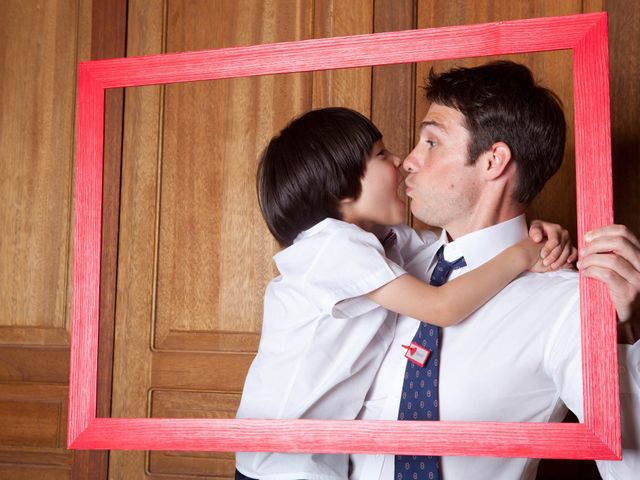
(481, 217)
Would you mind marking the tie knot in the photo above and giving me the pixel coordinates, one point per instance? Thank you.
(444, 268)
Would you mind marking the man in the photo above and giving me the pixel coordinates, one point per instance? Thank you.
(487, 145)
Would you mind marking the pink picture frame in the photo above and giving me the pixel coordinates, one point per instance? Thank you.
(597, 438)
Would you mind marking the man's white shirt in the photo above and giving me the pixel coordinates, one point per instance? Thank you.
(516, 359)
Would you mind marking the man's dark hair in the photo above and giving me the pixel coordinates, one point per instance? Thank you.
(313, 163)
(501, 102)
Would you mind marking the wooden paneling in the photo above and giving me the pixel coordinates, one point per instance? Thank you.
(108, 38)
(34, 415)
(209, 371)
(348, 87)
(15, 472)
(42, 41)
(193, 404)
(36, 137)
(624, 51)
(33, 434)
(34, 365)
(207, 190)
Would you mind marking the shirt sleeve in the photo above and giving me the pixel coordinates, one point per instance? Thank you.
(564, 362)
(350, 264)
(629, 371)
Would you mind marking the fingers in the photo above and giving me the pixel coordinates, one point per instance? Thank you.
(574, 255)
(622, 280)
(536, 231)
(564, 259)
(623, 246)
(557, 251)
(612, 255)
(613, 231)
(618, 267)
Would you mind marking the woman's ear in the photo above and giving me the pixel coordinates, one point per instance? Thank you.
(497, 160)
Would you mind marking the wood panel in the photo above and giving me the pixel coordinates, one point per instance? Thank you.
(348, 87)
(193, 404)
(624, 51)
(33, 416)
(108, 38)
(36, 135)
(42, 43)
(209, 207)
(33, 435)
(39, 364)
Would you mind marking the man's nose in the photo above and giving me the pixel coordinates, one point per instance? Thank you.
(410, 164)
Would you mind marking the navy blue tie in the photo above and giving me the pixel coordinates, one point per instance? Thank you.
(419, 399)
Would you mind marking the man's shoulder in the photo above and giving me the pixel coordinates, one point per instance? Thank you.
(560, 283)
(561, 276)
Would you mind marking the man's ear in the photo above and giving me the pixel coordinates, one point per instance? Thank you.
(497, 161)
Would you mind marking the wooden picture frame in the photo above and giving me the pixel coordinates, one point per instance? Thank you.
(597, 438)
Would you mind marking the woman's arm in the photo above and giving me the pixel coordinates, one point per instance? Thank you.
(457, 299)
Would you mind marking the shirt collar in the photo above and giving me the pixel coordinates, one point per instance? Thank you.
(482, 245)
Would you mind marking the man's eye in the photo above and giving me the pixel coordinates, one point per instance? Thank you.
(431, 143)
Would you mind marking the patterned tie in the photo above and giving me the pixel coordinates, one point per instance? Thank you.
(420, 389)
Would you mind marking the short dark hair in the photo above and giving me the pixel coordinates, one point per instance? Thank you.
(313, 163)
(502, 102)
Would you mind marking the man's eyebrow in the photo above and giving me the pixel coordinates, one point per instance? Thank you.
(431, 123)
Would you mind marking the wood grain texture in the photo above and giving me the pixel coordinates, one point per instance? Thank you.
(41, 364)
(33, 419)
(347, 87)
(36, 138)
(193, 404)
(33, 434)
(137, 236)
(214, 252)
(41, 45)
(624, 48)
(108, 37)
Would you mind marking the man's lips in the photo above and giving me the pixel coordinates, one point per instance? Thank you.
(407, 188)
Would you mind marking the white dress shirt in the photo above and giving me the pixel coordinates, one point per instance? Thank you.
(516, 359)
(322, 340)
